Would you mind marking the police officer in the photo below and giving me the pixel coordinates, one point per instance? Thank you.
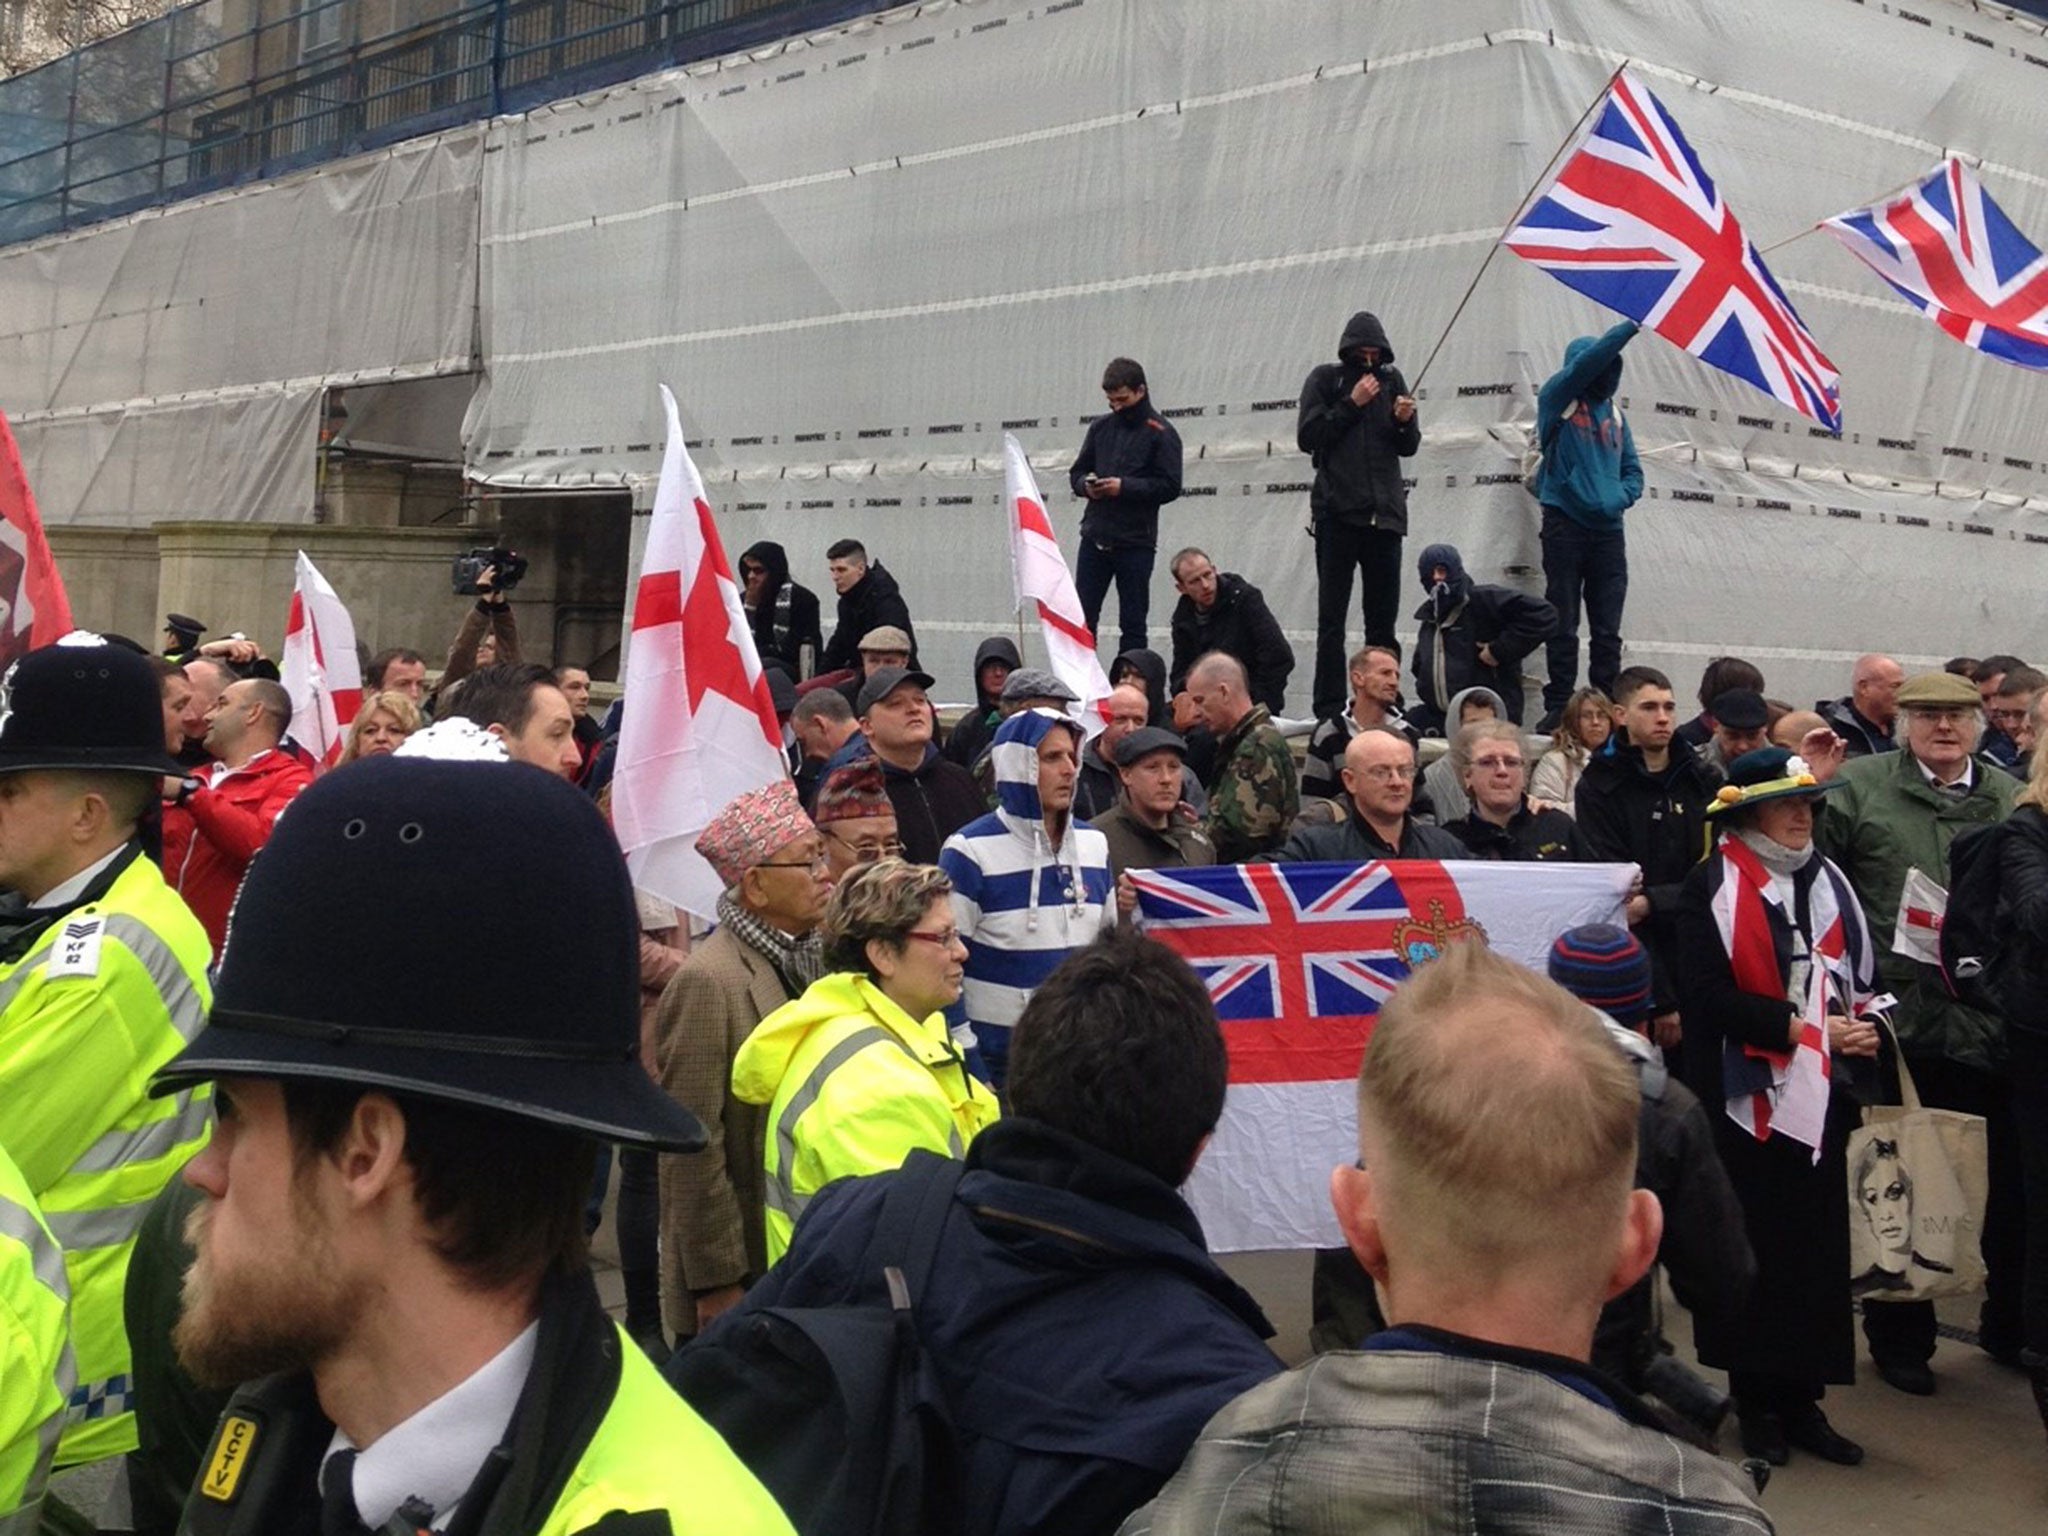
(36, 1368)
(390, 1253)
(102, 981)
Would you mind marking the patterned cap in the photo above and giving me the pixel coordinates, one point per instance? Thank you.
(852, 793)
(885, 637)
(1606, 968)
(753, 829)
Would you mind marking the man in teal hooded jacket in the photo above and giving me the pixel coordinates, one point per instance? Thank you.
(1590, 478)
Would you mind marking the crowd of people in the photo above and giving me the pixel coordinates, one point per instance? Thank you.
(901, 1135)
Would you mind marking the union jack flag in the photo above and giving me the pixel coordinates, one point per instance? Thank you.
(1632, 220)
(1299, 957)
(1953, 253)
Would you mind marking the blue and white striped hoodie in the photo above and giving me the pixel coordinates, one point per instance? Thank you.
(1021, 904)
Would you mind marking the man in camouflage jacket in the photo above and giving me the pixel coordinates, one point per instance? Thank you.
(1254, 793)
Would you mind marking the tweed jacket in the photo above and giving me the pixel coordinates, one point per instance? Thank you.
(712, 1201)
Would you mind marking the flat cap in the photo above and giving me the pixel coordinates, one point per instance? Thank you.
(1036, 683)
(1146, 740)
(1939, 690)
(885, 637)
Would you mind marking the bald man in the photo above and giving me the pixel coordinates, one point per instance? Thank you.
(1254, 792)
(1864, 719)
(1379, 778)
(1492, 1203)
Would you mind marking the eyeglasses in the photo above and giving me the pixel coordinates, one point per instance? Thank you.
(814, 863)
(1489, 764)
(945, 938)
(1388, 773)
(867, 853)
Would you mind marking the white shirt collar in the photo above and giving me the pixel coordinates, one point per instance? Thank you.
(65, 894)
(222, 770)
(436, 1454)
(1968, 780)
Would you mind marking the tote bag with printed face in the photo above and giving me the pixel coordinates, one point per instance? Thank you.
(1917, 1182)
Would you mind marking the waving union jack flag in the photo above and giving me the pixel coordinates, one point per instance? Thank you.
(1951, 251)
(1632, 220)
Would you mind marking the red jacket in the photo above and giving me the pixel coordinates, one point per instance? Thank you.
(229, 823)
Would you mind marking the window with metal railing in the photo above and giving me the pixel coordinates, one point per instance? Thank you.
(228, 91)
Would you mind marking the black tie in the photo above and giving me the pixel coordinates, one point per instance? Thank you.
(338, 1513)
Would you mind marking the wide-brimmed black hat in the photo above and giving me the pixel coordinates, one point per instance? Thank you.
(1768, 773)
(510, 880)
(83, 704)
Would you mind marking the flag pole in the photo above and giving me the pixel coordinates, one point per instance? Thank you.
(1515, 218)
(1899, 191)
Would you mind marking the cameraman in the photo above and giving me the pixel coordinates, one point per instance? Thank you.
(1357, 423)
(488, 636)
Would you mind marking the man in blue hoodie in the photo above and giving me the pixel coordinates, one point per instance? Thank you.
(1590, 479)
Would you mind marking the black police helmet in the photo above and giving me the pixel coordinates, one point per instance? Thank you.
(83, 704)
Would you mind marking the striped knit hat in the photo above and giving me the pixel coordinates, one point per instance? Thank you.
(1605, 968)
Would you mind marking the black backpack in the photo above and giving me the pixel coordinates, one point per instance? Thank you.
(1970, 940)
(837, 1409)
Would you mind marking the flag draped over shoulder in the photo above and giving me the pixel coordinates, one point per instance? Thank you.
(319, 667)
(1042, 579)
(1633, 221)
(33, 608)
(700, 725)
(1299, 958)
(1951, 251)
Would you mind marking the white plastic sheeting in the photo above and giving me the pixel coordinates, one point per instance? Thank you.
(861, 256)
(171, 364)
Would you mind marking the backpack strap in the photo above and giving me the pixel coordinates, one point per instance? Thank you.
(912, 1222)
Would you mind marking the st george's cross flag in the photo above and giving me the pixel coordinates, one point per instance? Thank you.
(1633, 221)
(1951, 251)
(1299, 958)
(319, 666)
(1040, 573)
(700, 726)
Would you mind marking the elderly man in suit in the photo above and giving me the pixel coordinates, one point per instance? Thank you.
(764, 952)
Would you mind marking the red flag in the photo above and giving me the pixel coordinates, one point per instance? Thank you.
(33, 608)
(700, 725)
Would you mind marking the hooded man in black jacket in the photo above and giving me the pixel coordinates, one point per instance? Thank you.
(1224, 612)
(1357, 423)
(994, 660)
(868, 599)
(782, 614)
(1128, 468)
(1472, 636)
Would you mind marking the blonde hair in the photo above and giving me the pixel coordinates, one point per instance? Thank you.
(878, 902)
(2035, 791)
(1469, 737)
(396, 705)
(1502, 1121)
(1565, 738)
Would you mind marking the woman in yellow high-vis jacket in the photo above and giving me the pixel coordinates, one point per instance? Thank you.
(860, 1071)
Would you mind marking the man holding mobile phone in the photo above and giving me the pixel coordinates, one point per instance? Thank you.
(1128, 468)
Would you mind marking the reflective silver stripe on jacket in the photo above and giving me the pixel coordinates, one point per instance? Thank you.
(119, 1148)
(181, 999)
(107, 1227)
(781, 1192)
(47, 1261)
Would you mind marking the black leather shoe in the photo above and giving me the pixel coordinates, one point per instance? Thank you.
(1763, 1436)
(1812, 1433)
(1914, 1376)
